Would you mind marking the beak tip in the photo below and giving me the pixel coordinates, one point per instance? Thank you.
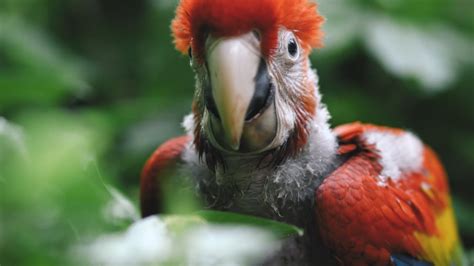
(234, 144)
(232, 132)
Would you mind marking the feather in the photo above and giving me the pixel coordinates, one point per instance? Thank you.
(403, 260)
(159, 166)
(380, 203)
(197, 18)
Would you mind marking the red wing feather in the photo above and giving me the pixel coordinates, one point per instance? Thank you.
(364, 220)
(160, 164)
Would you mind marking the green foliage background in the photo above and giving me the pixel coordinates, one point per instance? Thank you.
(88, 89)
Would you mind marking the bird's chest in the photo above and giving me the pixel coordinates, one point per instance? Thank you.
(284, 193)
(243, 190)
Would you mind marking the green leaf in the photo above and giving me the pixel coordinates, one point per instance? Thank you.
(281, 230)
(37, 69)
(179, 222)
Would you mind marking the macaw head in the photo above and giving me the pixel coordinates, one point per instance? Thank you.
(255, 91)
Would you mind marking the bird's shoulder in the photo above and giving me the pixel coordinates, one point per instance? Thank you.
(396, 155)
(162, 163)
(390, 195)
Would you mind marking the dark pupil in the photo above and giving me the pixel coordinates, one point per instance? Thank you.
(292, 47)
(190, 52)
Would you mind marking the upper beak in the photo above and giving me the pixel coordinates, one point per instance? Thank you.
(233, 64)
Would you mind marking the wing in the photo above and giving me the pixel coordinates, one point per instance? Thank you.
(389, 197)
(162, 163)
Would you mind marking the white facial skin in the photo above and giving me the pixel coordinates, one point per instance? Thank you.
(229, 74)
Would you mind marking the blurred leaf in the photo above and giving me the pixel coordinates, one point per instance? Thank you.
(419, 11)
(179, 195)
(119, 210)
(470, 257)
(281, 230)
(35, 69)
(181, 222)
(155, 241)
(36, 10)
(12, 144)
(146, 242)
(165, 4)
(465, 216)
(427, 50)
(51, 198)
(338, 33)
(411, 52)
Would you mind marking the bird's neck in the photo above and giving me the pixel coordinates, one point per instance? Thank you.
(252, 184)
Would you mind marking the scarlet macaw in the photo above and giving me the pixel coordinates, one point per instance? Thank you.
(258, 142)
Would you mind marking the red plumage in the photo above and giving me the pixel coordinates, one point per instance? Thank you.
(161, 164)
(195, 19)
(363, 221)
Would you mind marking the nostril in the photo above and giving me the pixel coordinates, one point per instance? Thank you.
(263, 92)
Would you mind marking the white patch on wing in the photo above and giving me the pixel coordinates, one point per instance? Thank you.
(398, 152)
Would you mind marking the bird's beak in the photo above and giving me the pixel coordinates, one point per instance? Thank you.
(233, 64)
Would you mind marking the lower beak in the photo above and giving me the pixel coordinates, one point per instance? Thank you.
(233, 64)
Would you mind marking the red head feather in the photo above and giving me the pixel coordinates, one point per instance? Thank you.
(197, 18)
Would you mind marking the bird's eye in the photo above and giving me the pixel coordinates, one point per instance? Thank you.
(190, 52)
(292, 47)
